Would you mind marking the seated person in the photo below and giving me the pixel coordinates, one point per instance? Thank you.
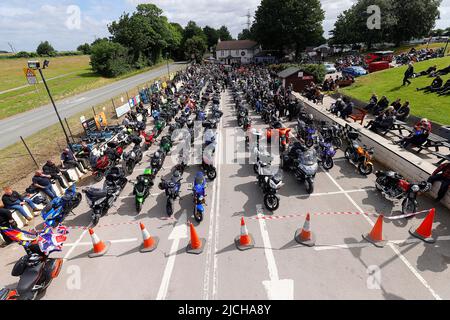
(442, 174)
(397, 104)
(381, 105)
(382, 122)
(53, 171)
(419, 136)
(13, 200)
(43, 183)
(445, 89)
(348, 109)
(68, 161)
(372, 102)
(337, 107)
(435, 85)
(83, 155)
(426, 72)
(403, 112)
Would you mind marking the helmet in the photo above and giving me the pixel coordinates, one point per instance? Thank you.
(147, 171)
(176, 174)
(157, 154)
(424, 120)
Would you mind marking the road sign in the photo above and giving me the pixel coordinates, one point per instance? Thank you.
(31, 75)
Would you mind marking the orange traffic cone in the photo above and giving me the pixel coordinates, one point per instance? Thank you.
(376, 235)
(424, 231)
(197, 244)
(100, 247)
(305, 236)
(245, 240)
(150, 243)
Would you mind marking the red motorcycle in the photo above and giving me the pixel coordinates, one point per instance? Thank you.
(107, 161)
(148, 139)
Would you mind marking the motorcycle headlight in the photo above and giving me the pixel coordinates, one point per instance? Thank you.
(200, 198)
(274, 185)
(415, 188)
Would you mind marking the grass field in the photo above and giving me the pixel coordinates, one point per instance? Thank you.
(72, 74)
(389, 83)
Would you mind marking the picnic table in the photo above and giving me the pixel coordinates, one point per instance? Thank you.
(435, 141)
(442, 157)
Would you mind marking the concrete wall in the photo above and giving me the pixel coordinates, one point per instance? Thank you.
(392, 156)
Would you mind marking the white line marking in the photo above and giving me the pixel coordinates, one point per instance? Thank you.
(75, 245)
(336, 192)
(90, 243)
(276, 289)
(396, 251)
(178, 232)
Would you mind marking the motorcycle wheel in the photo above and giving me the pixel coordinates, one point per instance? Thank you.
(138, 207)
(169, 207)
(95, 220)
(409, 206)
(309, 186)
(328, 163)
(348, 154)
(365, 170)
(77, 201)
(211, 173)
(98, 176)
(271, 202)
(198, 216)
(129, 168)
(309, 143)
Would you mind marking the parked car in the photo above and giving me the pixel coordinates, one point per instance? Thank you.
(354, 71)
(378, 66)
(330, 68)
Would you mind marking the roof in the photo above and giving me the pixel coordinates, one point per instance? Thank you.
(236, 45)
(288, 72)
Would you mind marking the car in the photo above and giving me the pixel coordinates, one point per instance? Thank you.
(354, 71)
(329, 67)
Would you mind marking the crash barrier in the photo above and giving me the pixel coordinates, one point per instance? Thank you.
(392, 156)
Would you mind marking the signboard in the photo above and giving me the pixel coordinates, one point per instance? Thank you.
(300, 74)
(31, 75)
(100, 120)
(90, 125)
(122, 110)
(308, 78)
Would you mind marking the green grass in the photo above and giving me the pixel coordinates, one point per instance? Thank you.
(75, 76)
(406, 48)
(389, 83)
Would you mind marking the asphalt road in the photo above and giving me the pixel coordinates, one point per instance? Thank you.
(30, 122)
(341, 265)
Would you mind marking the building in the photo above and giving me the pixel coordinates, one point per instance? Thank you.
(237, 51)
(296, 77)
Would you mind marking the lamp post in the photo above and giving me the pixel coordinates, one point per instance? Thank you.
(36, 65)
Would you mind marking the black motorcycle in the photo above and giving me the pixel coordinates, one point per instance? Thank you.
(394, 187)
(101, 200)
(157, 161)
(131, 159)
(270, 183)
(172, 188)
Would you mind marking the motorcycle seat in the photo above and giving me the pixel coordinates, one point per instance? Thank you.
(96, 193)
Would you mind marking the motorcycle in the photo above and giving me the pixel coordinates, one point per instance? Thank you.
(199, 193)
(395, 187)
(327, 152)
(157, 161)
(360, 156)
(207, 161)
(142, 188)
(305, 133)
(56, 211)
(159, 127)
(283, 135)
(101, 200)
(303, 162)
(270, 182)
(166, 144)
(131, 159)
(172, 189)
(149, 138)
(331, 132)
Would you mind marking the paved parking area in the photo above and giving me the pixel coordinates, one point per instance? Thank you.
(341, 265)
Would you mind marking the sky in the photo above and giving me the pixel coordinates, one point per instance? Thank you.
(68, 23)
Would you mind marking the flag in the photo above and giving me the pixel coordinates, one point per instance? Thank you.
(51, 240)
(22, 237)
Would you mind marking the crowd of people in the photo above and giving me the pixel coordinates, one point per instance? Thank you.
(415, 55)
(350, 60)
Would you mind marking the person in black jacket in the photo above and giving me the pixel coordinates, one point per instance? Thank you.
(52, 170)
(408, 74)
(13, 200)
(403, 112)
(435, 85)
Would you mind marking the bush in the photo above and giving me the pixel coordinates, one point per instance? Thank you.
(85, 48)
(45, 49)
(109, 59)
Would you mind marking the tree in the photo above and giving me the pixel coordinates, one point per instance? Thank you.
(195, 46)
(85, 48)
(245, 35)
(193, 30)
(109, 59)
(45, 49)
(288, 24)
(224, 34)
(212, 36)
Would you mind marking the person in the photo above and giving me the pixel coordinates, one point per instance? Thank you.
(420, 135)
(53, 171)
(397, 104)
(408, 74)
(84, 154)
(382, 122)
(445, 89)
(403, 112)
(13, 200)
(382, 104)
(348, 109)
(338, 106)
(372, 102)
(435, 85)
(426, 72)
(68, 161)
(258, 106)
(43, 182)
(442, 174)
(6, 221)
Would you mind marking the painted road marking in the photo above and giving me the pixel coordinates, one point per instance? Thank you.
(90, 243)
(396, 251)
(336, 192)
(276, 289)
(179, 232)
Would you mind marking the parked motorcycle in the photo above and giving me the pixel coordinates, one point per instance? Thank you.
(101, 200)
(157, 161)
(172, 188)
(326, 153)
(131, 159)
(270, 181)
(306, 132)
(142, 186)
(395, 187)
(56, 211)
(149, 138)
(199, 193)
(360, 156)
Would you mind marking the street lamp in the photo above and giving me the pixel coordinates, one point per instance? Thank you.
(36, 65)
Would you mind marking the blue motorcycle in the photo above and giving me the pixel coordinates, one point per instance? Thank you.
(199, 192)
(326, 153)
(56, 211)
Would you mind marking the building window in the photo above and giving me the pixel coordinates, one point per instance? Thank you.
(222, 53)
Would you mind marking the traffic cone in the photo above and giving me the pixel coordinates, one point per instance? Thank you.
(150, 243)
(305, 236)
(376, 235)
(245, 240)
(196, 244)
(424, 231)
(100, 247)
